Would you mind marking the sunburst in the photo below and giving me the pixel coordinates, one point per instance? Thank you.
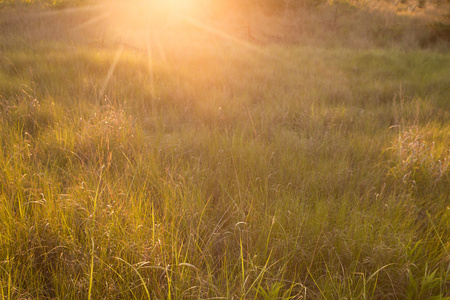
(140, 24)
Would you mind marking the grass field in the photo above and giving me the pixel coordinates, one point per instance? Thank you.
(245, 157)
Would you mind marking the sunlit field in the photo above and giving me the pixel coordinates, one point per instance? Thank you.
(193, 149)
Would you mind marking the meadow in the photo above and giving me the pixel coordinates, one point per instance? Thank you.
(299, 154)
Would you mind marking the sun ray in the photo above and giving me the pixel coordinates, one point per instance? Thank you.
(72, 10)
(111, 70)
(161, 52)
(150, 66)
(219, 33)
(237, 41)
(92, 21)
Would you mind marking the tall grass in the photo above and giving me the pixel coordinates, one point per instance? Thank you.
(225, 170)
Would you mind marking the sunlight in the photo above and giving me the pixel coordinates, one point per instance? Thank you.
(111, 70)
(192, 149)
(152, 14)
(181, 6)
(135, 22)
(154, 27)
(145, 24)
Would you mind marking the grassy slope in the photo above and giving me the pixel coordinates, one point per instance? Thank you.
(245, 172)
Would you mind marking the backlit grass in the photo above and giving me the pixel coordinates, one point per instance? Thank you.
(221, 168)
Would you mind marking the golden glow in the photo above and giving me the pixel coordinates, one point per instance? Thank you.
(160, 28)
(152, 14)
(181, 6)
(140, 23)
(136, 21)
